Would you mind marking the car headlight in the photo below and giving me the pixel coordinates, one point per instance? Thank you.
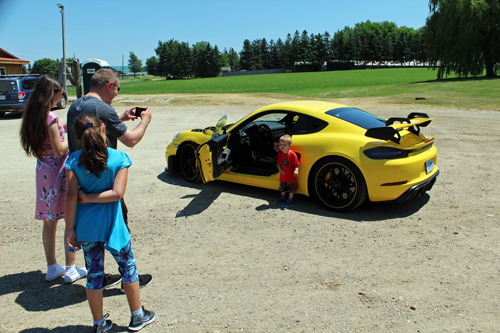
(385, 153)
(175, 136)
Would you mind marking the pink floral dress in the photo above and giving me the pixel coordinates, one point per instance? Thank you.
(51, 181)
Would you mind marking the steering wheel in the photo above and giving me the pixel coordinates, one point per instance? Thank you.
(265, 136)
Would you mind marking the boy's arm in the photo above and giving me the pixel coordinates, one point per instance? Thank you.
(115, 194)
(281, 170)
(71, 201)
(296, 171)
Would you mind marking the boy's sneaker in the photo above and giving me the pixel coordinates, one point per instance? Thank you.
(280, 201)
(287, 204)
(105, 326)
(144, 280)
(54, 272)
(111, 280)
(138, 322)
(74, 275)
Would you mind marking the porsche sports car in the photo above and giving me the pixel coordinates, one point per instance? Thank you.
(347, 155)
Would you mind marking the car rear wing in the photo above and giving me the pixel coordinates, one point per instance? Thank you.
(393, 125)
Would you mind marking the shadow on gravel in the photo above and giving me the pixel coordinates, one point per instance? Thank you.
(72, 329)
(209, 192)
(12, 115)
(36, 294)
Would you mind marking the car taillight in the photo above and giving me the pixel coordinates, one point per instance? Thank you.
(21, 94)
(385, 153)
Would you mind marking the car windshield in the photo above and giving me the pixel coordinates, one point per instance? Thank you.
(271, 117)
(7, 85)
(357, 117)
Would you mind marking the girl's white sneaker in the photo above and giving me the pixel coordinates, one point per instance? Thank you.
(54, 271)
(73, 273)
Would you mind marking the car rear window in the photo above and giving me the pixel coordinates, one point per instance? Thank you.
(357, 117)
(7, 85)
(29, 84)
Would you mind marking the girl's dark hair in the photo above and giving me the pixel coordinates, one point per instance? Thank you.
(34, 125)
(94, 148)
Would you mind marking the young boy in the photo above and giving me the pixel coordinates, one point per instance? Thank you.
(288, 165)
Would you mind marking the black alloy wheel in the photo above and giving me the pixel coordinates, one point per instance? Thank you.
(189, 163)
(339, 184)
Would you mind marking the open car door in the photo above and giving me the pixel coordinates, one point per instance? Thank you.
(213, 156)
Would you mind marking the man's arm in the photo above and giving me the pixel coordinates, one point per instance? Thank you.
(132, 137)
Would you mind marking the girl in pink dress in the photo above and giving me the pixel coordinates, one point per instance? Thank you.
(43, 137)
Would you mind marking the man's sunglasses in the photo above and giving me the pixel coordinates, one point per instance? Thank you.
(118, 88)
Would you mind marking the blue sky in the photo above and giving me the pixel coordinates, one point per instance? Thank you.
(110, 29)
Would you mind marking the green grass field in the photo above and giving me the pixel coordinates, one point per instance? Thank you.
(395, 85)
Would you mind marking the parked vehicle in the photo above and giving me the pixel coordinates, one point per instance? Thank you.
(347, 155)
(15, 91)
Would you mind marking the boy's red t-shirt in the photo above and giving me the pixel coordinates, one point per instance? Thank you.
(288, 162)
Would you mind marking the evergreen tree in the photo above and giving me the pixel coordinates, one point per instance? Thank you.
(152, 65)
(134, 63)
(234, 60)
(265, 55)
(288, 57)
(246, 56)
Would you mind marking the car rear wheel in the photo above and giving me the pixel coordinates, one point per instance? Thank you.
(338, 184)
(62, 104)
(188, 162)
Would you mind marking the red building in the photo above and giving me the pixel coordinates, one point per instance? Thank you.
(10, 64)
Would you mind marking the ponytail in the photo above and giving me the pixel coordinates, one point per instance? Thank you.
(94, 148)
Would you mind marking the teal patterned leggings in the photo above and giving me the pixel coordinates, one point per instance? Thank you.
(94, 261)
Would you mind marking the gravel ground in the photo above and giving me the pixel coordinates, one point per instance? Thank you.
(226, 259)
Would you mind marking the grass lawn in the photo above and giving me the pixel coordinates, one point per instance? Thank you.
(396, 85)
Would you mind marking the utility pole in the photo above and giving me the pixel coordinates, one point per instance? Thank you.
(64, 48)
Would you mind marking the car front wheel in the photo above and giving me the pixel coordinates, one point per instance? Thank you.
(188, 162)
(339, 184)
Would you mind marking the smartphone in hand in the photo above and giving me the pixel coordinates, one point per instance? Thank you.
(138, 111)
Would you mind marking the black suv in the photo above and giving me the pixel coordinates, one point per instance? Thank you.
(15, 91)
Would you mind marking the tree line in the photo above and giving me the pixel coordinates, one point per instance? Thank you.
(365, 42)
(460, 36)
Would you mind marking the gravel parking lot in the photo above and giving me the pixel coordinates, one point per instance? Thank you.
(225, 258)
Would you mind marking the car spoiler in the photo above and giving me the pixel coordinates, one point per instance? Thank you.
(413, 122)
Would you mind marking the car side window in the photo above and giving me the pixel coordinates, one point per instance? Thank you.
(29, 84)
(307, 125)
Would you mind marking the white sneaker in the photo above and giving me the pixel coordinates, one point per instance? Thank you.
(74, 273)
(54, 271)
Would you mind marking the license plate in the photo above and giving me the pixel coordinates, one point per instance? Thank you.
(2, 97)
(429, 166)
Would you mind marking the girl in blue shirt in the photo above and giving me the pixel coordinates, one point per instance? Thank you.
(95, 218)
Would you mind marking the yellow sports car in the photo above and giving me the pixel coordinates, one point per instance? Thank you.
(346, 155)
